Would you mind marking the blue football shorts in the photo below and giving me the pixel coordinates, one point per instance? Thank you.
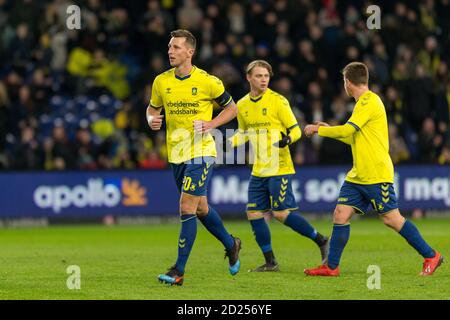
(271, 193)
(193, 176)
(380, 197)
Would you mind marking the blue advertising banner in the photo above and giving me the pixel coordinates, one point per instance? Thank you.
(88, 193)
(98, 193)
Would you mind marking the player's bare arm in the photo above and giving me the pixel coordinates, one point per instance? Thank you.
(227, 114)
(321, 123)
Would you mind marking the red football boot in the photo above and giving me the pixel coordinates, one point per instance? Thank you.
(323, 271)
(431, 264)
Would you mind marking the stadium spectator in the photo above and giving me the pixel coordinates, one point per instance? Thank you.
(27, 154)
(25, 107)
(397, 147)
(443, 107)
(418, 94)
(429, 142)
(189, 16)
(20, 47)
(4, 114)
(429, 56)
(62, 149)
(152, 161)
(85, 150)
(444, 157)
(395, 107)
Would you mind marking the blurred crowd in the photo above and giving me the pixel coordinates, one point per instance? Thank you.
(76, 99)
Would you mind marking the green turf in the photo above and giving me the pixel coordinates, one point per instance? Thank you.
(122, 262)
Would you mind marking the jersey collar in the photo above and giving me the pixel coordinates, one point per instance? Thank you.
(256, 99)
(186, 76)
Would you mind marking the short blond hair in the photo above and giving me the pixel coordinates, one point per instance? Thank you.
(259, 63)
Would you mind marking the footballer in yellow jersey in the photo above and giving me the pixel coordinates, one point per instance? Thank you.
(370, 146)
(185, 100)
(370, 181)
(187, 94)
(267, 121)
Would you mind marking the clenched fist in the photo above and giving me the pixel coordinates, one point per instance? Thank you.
(201, 126)
(155, 122)
(310, 130)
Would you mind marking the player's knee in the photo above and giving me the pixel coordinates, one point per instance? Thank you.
(186, 209)
(389, 222)
(281, 215)
(202, 209)
(340, 216)
(254, 215)
(188, 206)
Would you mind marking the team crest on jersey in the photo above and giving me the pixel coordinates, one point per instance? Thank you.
(194, 91)
(264, 111)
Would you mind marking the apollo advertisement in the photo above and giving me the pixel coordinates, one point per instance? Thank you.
(81, 194)
(153, 193)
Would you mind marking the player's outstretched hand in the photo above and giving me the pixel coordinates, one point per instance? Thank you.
(155, 122)
(201, 126)
(285, 140)
(310, 129)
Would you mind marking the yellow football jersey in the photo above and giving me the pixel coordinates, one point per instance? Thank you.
(370, 144)
(262, 119)
(186, 99)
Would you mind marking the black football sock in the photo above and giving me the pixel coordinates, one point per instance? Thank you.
(270, 257)
(320, 239)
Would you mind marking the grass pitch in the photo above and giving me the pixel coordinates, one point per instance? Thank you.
(122, 262)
